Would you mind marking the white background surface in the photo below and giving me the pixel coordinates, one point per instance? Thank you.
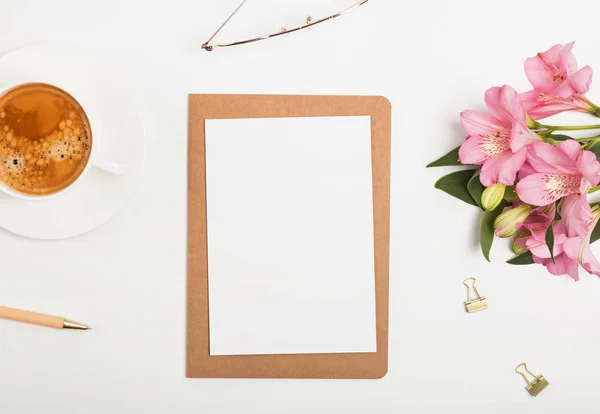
(290, 235)
(127, 279)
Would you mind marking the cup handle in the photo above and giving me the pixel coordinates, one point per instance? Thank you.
(109, 166)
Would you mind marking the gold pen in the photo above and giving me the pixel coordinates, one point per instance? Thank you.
(41, 319)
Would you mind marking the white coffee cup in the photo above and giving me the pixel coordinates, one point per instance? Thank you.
(96, 158)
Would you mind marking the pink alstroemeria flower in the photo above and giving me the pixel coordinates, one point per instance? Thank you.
(571, 237)
(557, 84)
(498, 141)
(562, 264)
(559, 171)
(536, 226)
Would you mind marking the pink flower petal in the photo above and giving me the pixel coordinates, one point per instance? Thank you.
(589, 167)
(572, 247)
(541, 70)
(538, 248)
(571, 149)
(545, 111)
(512, 105)
(590, 263)
(581, 80)
(576, 216)
(472, 151)
(568, 63)
(559, 233)
(541, 189)
(559, 239)
(537, 223)
(479, 123)
(526, 170)
(563, 265)
(502, 168)
(535, 105)
(544, 157)
(493, 101)
(541, 105)
(522, 136)
(563, 90)
(530, 99)
(504, 104)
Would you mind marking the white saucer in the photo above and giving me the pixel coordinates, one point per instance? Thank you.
(98, 196)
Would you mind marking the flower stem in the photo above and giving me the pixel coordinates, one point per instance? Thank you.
(567, 127)
(590, 142)
(594, 138)
(595, 108)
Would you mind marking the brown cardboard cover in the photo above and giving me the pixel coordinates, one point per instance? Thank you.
(200, 364)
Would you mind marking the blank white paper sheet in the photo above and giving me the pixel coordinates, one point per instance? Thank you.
(290, 236)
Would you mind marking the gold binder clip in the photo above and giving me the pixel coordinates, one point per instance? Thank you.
(477, 303)
(536, 386)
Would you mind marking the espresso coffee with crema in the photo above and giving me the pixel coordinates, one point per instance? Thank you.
(45, 139)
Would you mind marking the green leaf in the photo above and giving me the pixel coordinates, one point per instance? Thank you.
(559, 137)
(455, 184)
(559, 205)
(475, 188)
(595, 149)
(595, 233)
(523, 259)
(550, 241)
(510, 194)
(486, 231)
(447, 160)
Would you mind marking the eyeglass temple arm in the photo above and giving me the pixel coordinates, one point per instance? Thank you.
(205, 45)
(209, 48)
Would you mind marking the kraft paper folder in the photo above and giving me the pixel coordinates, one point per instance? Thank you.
(200, 364)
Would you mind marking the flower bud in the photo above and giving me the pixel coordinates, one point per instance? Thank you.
(595, 209)
(492, 196)
(518, 250)
(531, 124)
(505, 224)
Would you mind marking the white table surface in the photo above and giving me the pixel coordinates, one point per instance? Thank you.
(128, 278)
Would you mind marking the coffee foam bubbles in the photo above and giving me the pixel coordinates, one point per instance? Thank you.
(41, 165)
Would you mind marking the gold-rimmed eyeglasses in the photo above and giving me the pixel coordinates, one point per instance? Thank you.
(309, 22)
